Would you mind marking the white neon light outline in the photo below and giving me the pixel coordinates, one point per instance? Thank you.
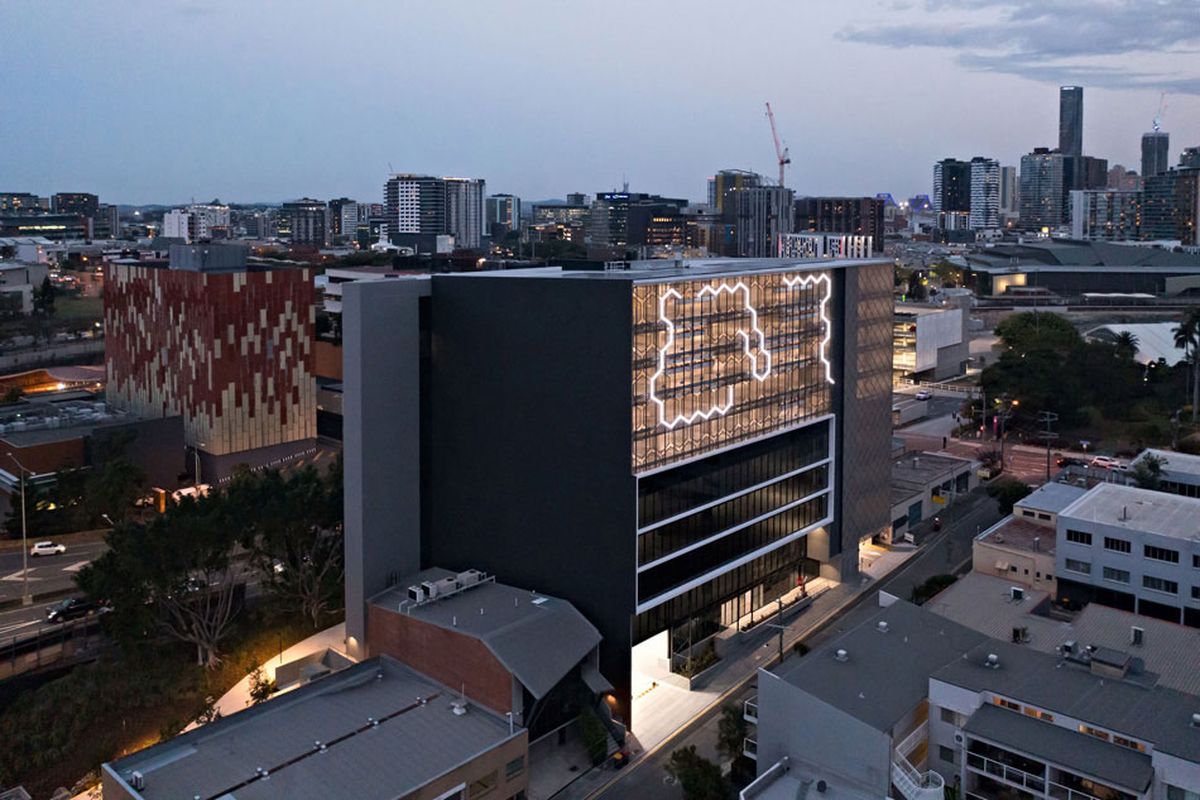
(825, 323)
(720, 409)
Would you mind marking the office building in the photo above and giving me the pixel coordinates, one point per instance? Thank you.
(226, 345)
(374, 731)
(81, 203)
(1106, 215)
(909, 702)
(984, 204)
(923, 485)
(420, 208)
(464, 211)
(1009, 197)
(758, 215)
(54, 227)
(1020, 548)
(1171, 206)
(107, 224)
(1156, 158)
(1133, 549)
(341, 211)
(308, 221)
(951, 186)
(1123, 179)
(824, 245)
(579, 380)
(1042, 182)
(1180, 471)
(197, 223)
(1070, 120)
(561, 214)
(503, 215)
(855, 216)
(608, 217)
(19, 203)
(929, 342)
(726, 181)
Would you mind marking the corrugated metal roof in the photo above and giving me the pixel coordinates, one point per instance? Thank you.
(404, 752)
(1083, 754)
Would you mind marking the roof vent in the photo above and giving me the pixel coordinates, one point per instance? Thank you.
(1016, 594)
(1137, 636)
(459, 707)
(882, 626)
(993, 661)
(841, 655)
(138, 781)
(1195, 724)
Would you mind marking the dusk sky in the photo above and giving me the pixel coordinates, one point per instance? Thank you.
(160, 102)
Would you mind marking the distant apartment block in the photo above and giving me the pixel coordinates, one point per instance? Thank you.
(951, 185)
(423, 207)
(824, 245)
(1042, 182)
(985, 193)
(855, 216)
(1156, 153)
(227, 346)
(308, 221)
(1106, 215)
(503, 215)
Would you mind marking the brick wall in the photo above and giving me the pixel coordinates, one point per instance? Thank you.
(452, 658)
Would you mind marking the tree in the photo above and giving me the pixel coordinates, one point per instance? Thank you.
(43, 298)
(1032, 331)
(1127, 344)
(1007, 491)
(731, 732)
(1187, 337)
(1147, 472)
(173, 576)
(699, 778)
(292, 527)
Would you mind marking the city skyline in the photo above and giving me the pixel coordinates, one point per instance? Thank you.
(160, 104)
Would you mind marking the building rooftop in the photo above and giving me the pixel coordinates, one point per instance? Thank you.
(1155, 340)
(1073, 254)
(1176, 463)
(982, 602)
(1154, 714)
(1137, 509)
(1084, 754)
(417, 739)
(913, 472)
(1014, 533)
(1051, 497)
(538, 639)
(660, 270)
(885, 675)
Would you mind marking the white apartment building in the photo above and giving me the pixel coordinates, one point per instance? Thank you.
(1131, 548)
(985, 194)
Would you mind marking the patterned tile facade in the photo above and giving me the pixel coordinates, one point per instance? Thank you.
(232, 352)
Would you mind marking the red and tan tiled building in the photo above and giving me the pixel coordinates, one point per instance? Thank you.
(230, 348)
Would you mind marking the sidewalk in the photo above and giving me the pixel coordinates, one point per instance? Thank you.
(664, 710)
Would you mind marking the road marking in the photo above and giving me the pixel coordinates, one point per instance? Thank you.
(16, 576)
(76, 566)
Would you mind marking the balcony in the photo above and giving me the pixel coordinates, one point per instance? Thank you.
(995, 769)
(750, 710)
(750, 748)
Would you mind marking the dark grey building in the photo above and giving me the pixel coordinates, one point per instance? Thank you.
(861, 216)
(951, 185)
(1156, 159)
(669, 448)
(1043, 179)
(608, 218)
(1070, 120)
(1171, 206)
(309, 221)
(757, 216)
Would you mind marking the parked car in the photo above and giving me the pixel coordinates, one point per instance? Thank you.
(1069, 461)
(1105, 462)
(923, 394)
(69, 609)
(47, 549)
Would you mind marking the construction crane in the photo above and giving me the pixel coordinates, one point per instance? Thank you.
(1162, 109)
(781, 152)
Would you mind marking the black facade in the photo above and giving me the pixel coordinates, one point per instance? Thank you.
(862, 216)
(1070, 120)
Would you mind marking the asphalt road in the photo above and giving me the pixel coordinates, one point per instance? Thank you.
(949, 549)
(46, 573)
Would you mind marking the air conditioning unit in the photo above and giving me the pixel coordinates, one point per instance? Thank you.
(1137, 636)
(431, 589)
(959, 738)
(469, 578)
(1016, 594)
(446, 586)
(416, 594)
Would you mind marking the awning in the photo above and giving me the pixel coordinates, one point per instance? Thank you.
(1002, 566)
(595, 681)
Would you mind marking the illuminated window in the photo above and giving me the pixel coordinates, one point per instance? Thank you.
(1005, 703)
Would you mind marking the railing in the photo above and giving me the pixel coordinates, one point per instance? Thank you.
(750, 748)
(1004, 772)
(764, 781)
(750, 710)
(915, 785)
(1061, 792)
(917, 737)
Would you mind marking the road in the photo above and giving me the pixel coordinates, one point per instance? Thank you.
(943, 553)
(46, 573)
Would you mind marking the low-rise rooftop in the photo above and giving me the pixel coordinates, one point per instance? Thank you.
(1015, 533)
(1051, 498)
(1137, 509)
(1177, 464)
(373, 731)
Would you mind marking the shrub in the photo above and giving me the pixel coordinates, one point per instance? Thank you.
(595, 737)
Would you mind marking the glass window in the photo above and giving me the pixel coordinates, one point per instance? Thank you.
(514, 768)
(946, 753)
(1117, 575)
(1117, 545)
(1160, 584)
(1161, 554)
(1079, 537)
(1075, 565)
(1178, 793)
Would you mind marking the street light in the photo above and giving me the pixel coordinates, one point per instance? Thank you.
(26, 597)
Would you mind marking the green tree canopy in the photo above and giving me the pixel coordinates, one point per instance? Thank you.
(699, 778)
(1032, 331)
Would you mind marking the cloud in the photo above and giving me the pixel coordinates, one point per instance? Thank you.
(1118, 44)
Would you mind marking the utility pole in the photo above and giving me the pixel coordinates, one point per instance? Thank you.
(26, 597)
(779, 624)
(1006, 406)
(1047, 418)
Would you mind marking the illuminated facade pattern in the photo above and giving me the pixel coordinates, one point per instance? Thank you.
(232, 352)
(721, 361)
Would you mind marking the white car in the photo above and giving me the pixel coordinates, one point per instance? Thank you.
(924, 394)
(1105, 462)
(47, 549)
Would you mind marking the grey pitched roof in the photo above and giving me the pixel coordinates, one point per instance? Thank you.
(1051, 497)
(413, 744)
(1155, 714)
(885, 675)
(1088, 756)
(539, 639)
